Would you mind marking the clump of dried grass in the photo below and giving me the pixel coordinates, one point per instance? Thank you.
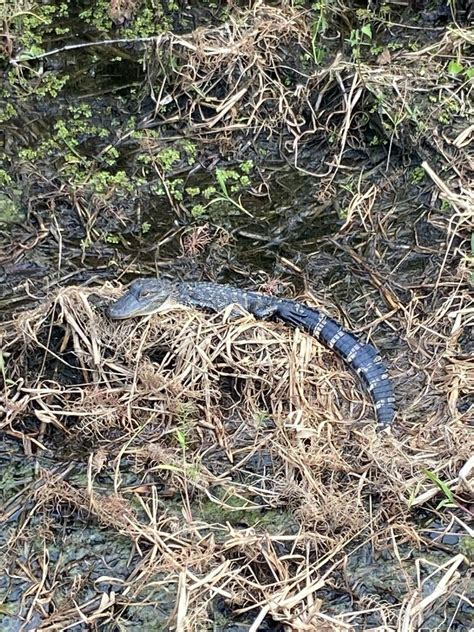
(257, 75)
(253, 75)
(241, 416)
(233, 69)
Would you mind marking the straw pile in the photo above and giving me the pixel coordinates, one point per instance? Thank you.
(233, 456)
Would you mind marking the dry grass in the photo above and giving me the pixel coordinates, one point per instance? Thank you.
(239, 462)
(233, 76)
(255, 77)
(246, 418)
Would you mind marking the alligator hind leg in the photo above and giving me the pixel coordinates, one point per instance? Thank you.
(262, 312)
(298, 315)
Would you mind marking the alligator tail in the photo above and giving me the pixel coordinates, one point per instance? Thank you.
(360, 356)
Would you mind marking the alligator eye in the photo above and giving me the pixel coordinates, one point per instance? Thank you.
(145, 293)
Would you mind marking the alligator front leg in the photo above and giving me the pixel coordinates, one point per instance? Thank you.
(262, 310)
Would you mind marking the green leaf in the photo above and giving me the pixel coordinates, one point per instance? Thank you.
(181, 438)
(454, 67)
(445, 503)
(220, 176)
(367, 30)
(31, 53)
(440, 484)
(469, 73)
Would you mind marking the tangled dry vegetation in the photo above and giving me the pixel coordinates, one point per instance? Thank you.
(235, 76)
(238, 463)
(231, 455)
(256, 74)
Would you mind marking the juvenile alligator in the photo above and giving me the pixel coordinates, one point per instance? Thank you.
(146, 296)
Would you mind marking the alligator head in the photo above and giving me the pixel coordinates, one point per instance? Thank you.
(143, 297)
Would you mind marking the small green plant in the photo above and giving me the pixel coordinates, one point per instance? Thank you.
(318, 28)
(181, 437)
(247, 166)
(260, 418)
(359, 38)
(448, 500)
(185, 412)
(222, 177)
(105, 182)
(193, 191)
(190, 149)
(198, 210)
(176, 189)
(417, 175)
(375, 141)
(455, 67)
(7, 112)
(5, 179)
(209, 192)
(112, 239)
(168, 158)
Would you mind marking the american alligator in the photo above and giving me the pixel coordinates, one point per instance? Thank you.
(146, 296)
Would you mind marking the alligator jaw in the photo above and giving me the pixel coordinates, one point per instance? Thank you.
(128, 306)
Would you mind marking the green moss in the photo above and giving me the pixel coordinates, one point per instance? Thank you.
(193, 191)
(7, 112)
(168, 158)
(238, 511)
(5, 179)
(417, 175)
(10, 209)
(198, 210)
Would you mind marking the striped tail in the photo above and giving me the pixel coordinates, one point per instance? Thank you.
(362, 357)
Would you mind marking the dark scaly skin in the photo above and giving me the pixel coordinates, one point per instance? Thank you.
(146, 296)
